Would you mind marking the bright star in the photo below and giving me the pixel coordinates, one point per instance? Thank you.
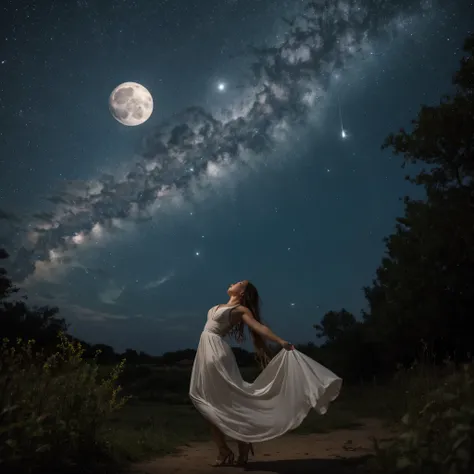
(343, 134)
(197, 254)
(221, 87)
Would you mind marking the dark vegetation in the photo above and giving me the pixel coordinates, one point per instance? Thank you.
(407, 359)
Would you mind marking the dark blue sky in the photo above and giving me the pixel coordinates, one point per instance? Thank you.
(304, 219)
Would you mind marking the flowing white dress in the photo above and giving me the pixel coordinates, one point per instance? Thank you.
(276, 402)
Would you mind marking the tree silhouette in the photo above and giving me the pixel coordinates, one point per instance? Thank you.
(106, 354)
(334, 324)
(18, 320)
(423, 292)
(424, 287)
(6, 286)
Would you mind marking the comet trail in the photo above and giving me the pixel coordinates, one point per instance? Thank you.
(343, 131)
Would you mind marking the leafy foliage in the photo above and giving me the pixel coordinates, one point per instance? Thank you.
(437, 433)
(425, 285)
(442, 135)
(334, 324)
(6, 286)
(17, 319)
(52, 407)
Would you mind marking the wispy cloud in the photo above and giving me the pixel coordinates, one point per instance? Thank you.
(71, 311)
(111, 293)
(159, 282)
(89, 314)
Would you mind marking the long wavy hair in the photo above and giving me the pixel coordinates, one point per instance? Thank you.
(251, 300)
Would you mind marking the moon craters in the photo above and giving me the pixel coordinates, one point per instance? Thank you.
(131, 103)
(123, 95)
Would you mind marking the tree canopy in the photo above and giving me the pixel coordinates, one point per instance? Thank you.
(17, 319)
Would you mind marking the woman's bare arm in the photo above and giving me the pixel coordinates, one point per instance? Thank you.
(261, 329)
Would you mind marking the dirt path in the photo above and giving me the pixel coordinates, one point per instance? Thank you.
(330, 453)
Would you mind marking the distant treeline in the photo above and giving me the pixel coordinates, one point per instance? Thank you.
(181, 358)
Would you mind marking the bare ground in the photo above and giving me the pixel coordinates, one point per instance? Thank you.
(338, 452)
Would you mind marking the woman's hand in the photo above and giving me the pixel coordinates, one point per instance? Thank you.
(288, 346)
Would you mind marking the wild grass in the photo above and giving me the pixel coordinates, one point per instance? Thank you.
(53, 407)
(60, 412)
(436, 431)
(159, 417)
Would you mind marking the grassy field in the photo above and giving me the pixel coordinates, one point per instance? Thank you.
(78, 419)
(159, 417)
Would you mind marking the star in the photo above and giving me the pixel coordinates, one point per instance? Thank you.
(221, 86)
(197, 253)
(343, 134)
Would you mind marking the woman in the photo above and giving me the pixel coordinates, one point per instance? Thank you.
(280, 397)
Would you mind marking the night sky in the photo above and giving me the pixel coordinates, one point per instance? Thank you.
(135, 232)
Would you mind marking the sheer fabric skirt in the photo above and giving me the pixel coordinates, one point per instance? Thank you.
(276, 402)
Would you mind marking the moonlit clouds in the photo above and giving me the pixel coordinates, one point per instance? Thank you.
(111, 293)
(193, 152)
(160, 281)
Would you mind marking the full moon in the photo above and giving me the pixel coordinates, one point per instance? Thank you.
(131, 104)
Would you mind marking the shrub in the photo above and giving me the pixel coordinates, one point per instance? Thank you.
(52, 407)
(437, 432)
